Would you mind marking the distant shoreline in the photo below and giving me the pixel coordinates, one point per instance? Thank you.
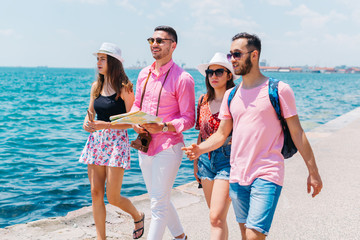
(297, 69)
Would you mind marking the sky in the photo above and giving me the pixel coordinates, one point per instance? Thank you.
(65, 33)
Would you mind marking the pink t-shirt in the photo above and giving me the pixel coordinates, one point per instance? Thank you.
(177, 103)
(257, 134)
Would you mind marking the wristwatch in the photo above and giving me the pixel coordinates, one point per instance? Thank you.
(165, 127)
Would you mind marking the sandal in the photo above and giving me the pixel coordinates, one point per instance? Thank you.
(185, 238)
(139, 229)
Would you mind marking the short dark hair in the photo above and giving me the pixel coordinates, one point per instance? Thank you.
(252, 40)
(169, 30)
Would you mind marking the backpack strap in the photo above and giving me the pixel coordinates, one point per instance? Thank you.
(201, 99)
(274, 96)
(231, 95)
(230, 98)
(289, 148)
(199, 104)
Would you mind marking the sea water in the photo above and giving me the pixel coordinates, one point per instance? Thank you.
(42, 112)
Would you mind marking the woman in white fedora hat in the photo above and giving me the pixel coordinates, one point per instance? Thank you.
(107, 150)
(212, 169)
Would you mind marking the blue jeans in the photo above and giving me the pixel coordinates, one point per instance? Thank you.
(255, 204)
(217, 167)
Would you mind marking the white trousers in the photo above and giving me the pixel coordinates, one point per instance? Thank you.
(159, 174)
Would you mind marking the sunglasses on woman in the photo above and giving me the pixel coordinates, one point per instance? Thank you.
(218, 72)
(158, 40)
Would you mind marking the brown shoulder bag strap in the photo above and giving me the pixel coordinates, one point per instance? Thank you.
(143, 93)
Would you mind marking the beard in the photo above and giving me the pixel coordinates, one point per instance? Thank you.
(164, 51)
(245, 69)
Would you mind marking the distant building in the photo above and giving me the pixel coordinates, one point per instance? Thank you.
(310, 69)
(269, 69)
(281, 69)
(263, 63)
(353, 70)
(327, 70)
(284, 69)
(138, 65)
(322, 70)
(296, 69)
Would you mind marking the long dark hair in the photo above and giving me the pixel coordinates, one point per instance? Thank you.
(117, 76)
(210, 95)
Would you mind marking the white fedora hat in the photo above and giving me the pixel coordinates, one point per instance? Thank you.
(218, 59)
(111, 50)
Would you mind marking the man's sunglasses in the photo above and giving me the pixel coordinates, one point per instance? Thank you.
(236, 55)
(218, 72)
(158, 40)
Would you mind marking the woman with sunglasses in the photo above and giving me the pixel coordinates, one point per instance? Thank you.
(212, 169)
(107, 151)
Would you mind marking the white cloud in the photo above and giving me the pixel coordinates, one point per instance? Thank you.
(64, 32)
(7, 32)
(279, 2)
(302, 11)
(169, 4)
(341, 39)
(321, 33)
(356, 16)
(10, 33)
(293, 33)
(309, 19)
(126, 4)
(353, 6)
(211, 25)
(314, 20)
(327, 49)
(93, 2)
(349, 3)
(210, 14)
(341, 46)
(151, 16)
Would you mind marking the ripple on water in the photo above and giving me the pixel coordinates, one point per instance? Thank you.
(42, 136)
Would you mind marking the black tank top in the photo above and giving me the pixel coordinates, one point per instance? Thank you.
(106, 106)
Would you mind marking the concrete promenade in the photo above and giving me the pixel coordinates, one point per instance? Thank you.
(334, 214)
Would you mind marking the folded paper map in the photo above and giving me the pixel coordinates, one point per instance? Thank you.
(138, 117)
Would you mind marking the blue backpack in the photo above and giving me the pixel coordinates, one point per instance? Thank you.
(289, 148)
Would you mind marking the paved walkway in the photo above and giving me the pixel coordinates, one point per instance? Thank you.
(334, 214)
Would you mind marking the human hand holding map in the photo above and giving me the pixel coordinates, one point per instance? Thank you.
(138, 117)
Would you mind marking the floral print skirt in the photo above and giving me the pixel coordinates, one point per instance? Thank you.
(107, 147)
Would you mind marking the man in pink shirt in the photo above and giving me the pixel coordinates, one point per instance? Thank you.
(257, 165)
(166, 90)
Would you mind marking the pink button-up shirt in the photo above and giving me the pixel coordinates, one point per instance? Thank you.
(177, 102)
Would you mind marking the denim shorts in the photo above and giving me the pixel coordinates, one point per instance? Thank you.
(217, 167)
(255, 204)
